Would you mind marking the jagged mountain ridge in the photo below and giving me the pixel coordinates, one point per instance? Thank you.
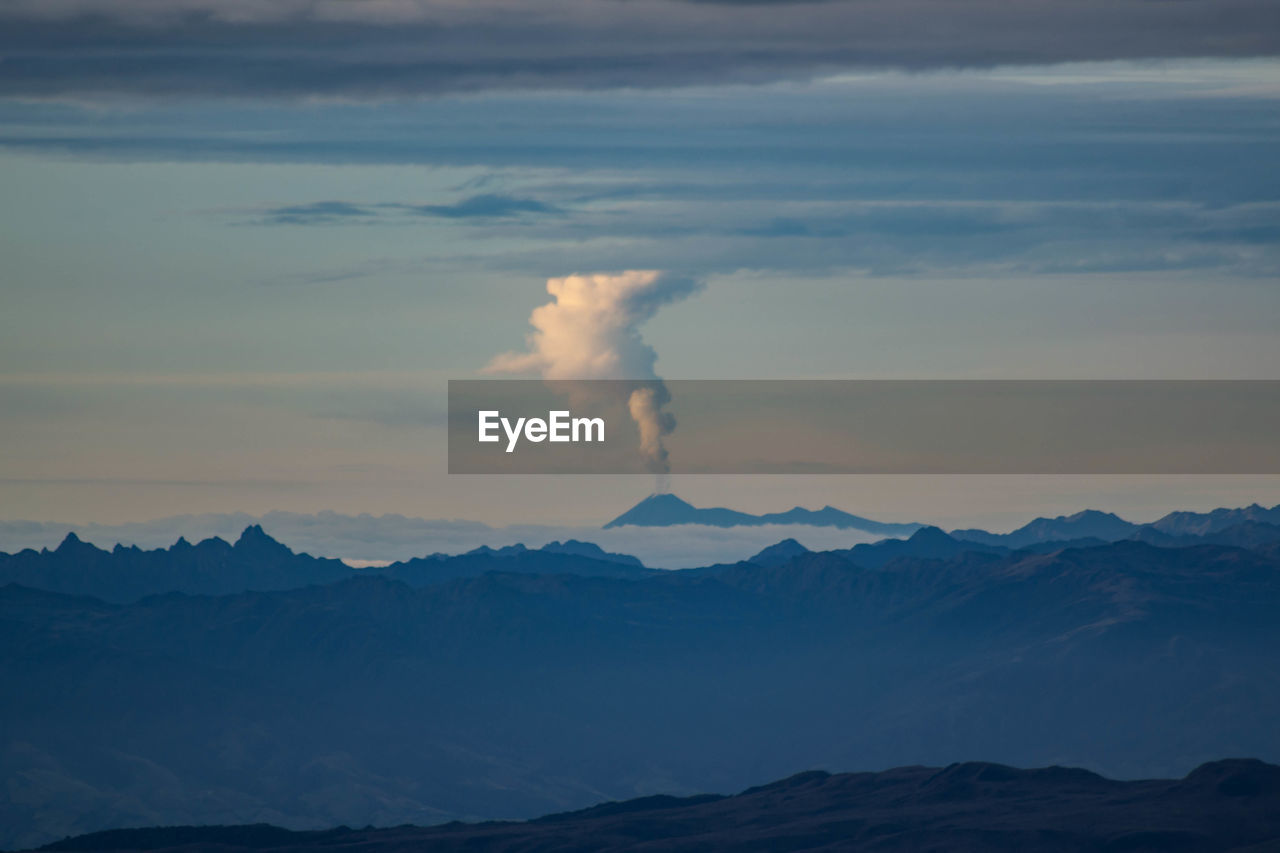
(395, 537)
(258, 562)
(211, 567)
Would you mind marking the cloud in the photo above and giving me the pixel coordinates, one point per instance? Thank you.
(397, 48)
(487, 206)
(969, 174)
(591, 330)
(316, 213)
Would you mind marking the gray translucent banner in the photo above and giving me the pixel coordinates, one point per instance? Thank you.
(864, 427)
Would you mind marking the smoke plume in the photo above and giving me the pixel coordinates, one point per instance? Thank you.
(645, 405)
(590, 330)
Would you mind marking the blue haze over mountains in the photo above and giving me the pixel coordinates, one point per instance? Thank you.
(256, 561)
(242, 682)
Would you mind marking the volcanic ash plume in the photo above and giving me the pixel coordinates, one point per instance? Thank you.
(590, 330)
(645, 405)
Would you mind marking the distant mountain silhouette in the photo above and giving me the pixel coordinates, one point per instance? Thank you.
(570, 546)
(258, 562)
(393, 537)
(1089, 523)
(556, 558)
(975, 806)
(1202, 523)
(523, 684)
(1108, 527)
(213, 567)
(1247, 534)
(925, 543)
(931, 543)
(664, 510)
(779, 554)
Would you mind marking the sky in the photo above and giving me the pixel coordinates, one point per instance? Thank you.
(243, 245)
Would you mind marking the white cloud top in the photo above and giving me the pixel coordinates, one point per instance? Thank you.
(591, 330)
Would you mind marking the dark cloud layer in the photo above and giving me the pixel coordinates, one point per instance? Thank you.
(892, 174)
(315, 213)
(487, 206)
(279, 48)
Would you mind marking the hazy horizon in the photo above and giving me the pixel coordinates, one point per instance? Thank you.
(365, 539)
(995, 502)
(203, 320)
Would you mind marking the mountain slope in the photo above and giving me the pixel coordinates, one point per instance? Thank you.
(508, 695)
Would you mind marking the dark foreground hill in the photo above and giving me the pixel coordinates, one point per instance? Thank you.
(1229, 805)
(508, 695)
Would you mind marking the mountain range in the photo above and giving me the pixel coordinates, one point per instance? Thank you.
(490, 685)
(933, 543)
(1088, 524)
(973, 806)
(665, 510)
(367, 539)
(256, 561)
